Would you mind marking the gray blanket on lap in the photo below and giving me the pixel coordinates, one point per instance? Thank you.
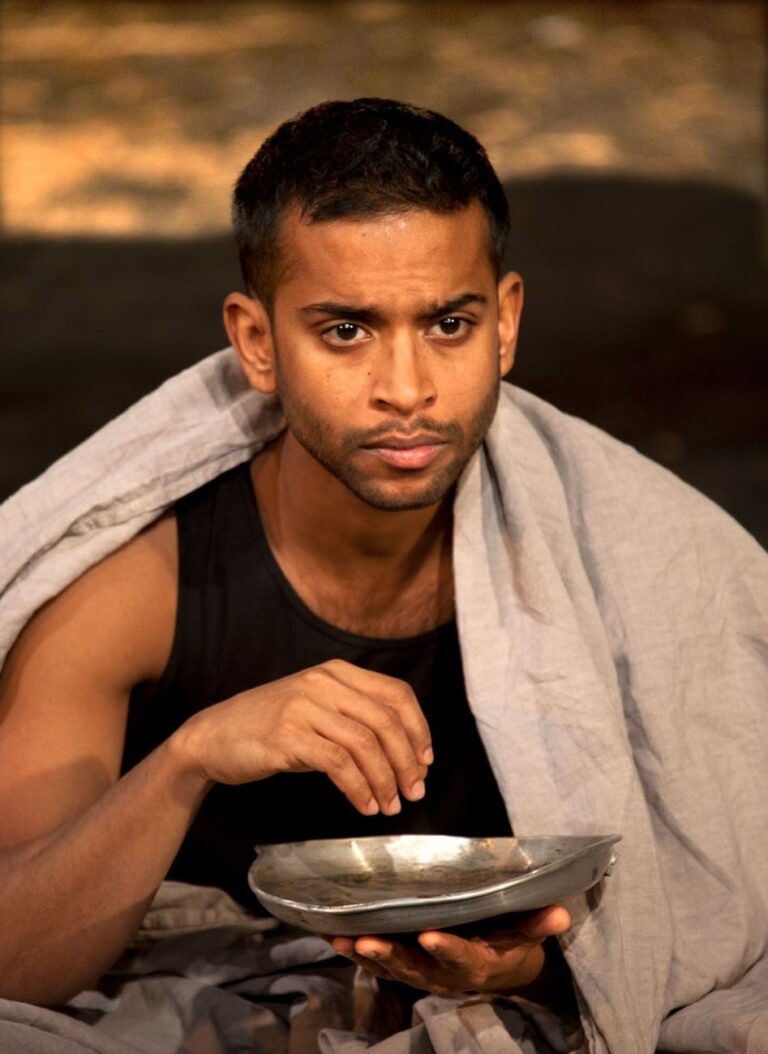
(613, 632)
(204, 977)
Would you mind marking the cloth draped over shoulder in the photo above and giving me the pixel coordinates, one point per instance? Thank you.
(614, 630)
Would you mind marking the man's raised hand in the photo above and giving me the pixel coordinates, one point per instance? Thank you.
(365, 730)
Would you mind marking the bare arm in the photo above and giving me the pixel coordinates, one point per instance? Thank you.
(72, 899)
(81, 853)
(81, 850)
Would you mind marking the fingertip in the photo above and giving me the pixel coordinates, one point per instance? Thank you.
(342, 946)
(550, 922)
(393, 807)
(371, 948)
(430, 942)
(557, 914)
(446, 948)
(559, 918)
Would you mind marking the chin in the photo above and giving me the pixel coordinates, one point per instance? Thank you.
(392, 503)
(394, 498)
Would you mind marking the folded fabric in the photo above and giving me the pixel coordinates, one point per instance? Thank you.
(613, 627)
(206, 977)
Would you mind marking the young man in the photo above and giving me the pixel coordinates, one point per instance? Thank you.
(277, 656)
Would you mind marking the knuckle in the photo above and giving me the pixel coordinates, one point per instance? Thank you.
(404, 694)
(408, 693)
(298, 700)
(336, 757)
(387, 720)
(366, 739)
(298, 709)
(315, 675)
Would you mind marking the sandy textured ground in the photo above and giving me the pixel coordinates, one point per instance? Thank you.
(132, 118)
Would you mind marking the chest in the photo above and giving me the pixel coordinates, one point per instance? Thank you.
(371, 607)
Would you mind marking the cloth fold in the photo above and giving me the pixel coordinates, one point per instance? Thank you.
(208, 977)
(613, 627)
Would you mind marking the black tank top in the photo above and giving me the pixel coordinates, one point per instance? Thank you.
(241, 624)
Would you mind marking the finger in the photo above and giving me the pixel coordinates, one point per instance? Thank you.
(375, 735)
(485, 965)
(385, 723)
(549, 922)
(346, 946)
(323, 755)
(374, 948)
(371, 731)
(343, 945)
(364, 747)
(395, 693)
(411, 966)
(452, 952)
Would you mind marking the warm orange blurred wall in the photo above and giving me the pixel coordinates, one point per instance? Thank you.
(133, 118)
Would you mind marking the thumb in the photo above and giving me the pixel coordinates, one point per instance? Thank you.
(548, 922)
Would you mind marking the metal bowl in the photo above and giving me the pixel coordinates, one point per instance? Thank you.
(411, 882)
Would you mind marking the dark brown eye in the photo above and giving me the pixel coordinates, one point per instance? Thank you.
(346, 330)
(450, 326)
(343, 333)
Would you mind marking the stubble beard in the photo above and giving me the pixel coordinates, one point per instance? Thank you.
(335, 454)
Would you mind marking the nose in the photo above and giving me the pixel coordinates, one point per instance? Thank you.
(403, 378)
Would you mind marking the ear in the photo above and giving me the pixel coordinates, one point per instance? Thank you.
(249, 329)
(510, 293)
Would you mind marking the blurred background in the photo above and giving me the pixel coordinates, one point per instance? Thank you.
(631, 137)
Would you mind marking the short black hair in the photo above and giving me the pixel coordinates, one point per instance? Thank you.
(364, 157)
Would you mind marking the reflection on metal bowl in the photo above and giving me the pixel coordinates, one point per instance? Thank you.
(405, 883)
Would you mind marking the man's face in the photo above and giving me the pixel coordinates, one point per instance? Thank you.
(387, 349)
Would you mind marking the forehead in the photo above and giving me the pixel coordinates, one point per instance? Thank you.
(385, 258)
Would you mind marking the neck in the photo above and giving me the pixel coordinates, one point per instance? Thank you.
(365, 570)
(310, 515)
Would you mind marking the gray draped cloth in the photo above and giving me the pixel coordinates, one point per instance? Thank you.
(613, 626)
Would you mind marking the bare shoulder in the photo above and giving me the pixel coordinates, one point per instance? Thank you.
(135, 592)
(66, 684)
(120, 614)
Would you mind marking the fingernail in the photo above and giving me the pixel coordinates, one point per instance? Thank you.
(370, 954)
(371, 807)
(427, 756)
(417, 790)
(394, 806)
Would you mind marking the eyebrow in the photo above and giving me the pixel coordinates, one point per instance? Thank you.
(335, 309)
